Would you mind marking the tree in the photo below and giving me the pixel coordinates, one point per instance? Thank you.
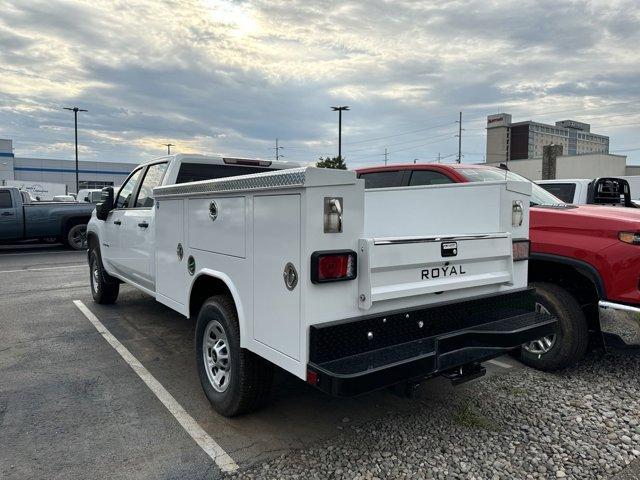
(335, 162)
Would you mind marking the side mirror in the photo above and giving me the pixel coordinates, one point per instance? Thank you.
(104, 207)
(86, 199)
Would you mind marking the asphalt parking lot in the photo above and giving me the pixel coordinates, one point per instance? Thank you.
(71, 406)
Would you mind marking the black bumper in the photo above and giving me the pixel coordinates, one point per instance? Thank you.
(360, 355)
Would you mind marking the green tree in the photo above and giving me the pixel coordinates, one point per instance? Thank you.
(335, 162)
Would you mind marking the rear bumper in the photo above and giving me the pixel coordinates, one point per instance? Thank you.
(361, 355)
(622, 326)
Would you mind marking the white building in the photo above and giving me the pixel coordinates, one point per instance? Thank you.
(61, 171)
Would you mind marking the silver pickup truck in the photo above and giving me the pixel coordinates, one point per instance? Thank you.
(23, 219)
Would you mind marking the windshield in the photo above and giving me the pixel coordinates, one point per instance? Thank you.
(539, 196)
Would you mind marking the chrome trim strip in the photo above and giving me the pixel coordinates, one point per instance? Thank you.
(291, 177)
(617, 306)
(401, 240)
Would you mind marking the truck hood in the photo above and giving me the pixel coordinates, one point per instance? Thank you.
(585, 216)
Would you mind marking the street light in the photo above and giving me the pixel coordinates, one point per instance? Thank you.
(168, 145)
(339, 110)
(75, 111)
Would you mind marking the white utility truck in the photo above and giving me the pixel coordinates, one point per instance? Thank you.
(301, 268)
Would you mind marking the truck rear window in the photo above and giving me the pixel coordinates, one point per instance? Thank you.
(5, 199)
(193, 172)
(564, 191)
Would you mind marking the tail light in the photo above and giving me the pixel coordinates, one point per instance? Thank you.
(520, 250)
(333, 266)
(629, 237)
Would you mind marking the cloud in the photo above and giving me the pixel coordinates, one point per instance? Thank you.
(231, 76)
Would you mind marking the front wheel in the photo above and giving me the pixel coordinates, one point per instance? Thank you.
(104, 288)
(569, 344)
(235, 380)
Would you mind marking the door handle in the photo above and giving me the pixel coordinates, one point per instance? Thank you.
(117, 222)
(143, 224)
(7, 214)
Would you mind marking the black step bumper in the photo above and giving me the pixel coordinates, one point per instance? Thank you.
(356, 356)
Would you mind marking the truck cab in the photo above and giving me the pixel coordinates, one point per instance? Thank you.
(127, 234)
(610, 191)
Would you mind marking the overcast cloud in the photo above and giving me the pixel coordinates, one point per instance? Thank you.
(218, 76)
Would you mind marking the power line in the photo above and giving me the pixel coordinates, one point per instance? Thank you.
(398, 134)
(373, 147)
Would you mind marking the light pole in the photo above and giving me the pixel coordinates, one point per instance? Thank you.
(339, 110)
(168, 145)
(75, 111)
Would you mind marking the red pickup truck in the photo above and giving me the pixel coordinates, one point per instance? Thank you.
(583, 259)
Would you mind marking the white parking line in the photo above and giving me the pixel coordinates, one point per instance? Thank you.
(499, 363)
(202, 438)
(43, 268)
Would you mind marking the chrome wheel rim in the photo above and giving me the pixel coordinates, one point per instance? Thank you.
(78, 237)
(542, 345)
(95, 276)
(217, 361)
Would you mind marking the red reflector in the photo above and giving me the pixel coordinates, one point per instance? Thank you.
(312, 377)
(520, 250)
(333, 266)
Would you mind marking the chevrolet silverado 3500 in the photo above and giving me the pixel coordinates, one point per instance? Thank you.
(301, 268)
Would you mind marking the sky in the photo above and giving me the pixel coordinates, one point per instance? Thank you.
(229, 77)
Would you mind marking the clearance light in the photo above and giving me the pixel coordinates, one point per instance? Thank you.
(520, 250)
(629, 237)
(333, 266)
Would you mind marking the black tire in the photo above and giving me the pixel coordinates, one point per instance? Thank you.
(104, 288)
(75, 236)
(249, 376)
(572, 337)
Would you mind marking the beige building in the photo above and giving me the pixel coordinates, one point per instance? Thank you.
(590, 165)
(508, 141)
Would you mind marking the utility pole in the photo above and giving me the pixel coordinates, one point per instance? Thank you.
(438, 157)
(168, 145)
(386, 156)
(459, 139)
(75, 111)
(277, 149)
(340, 110)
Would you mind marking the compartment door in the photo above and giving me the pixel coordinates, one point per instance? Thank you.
(172, 277)
(276, 242)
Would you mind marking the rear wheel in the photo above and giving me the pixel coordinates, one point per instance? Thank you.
(104, 288)
(76, 237)
(235, 380)
(569, 344)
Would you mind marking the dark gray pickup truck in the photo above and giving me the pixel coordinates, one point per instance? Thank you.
(23, 219)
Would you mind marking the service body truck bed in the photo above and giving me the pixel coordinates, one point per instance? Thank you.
(350, 291)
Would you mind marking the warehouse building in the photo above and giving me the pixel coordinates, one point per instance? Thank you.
(508, 141)
(60, 171)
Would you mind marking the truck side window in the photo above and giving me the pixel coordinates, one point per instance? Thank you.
(152, 179)
(5, 199)
(428, 177)
(195, 172)
(388, 178)
(124, 196)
